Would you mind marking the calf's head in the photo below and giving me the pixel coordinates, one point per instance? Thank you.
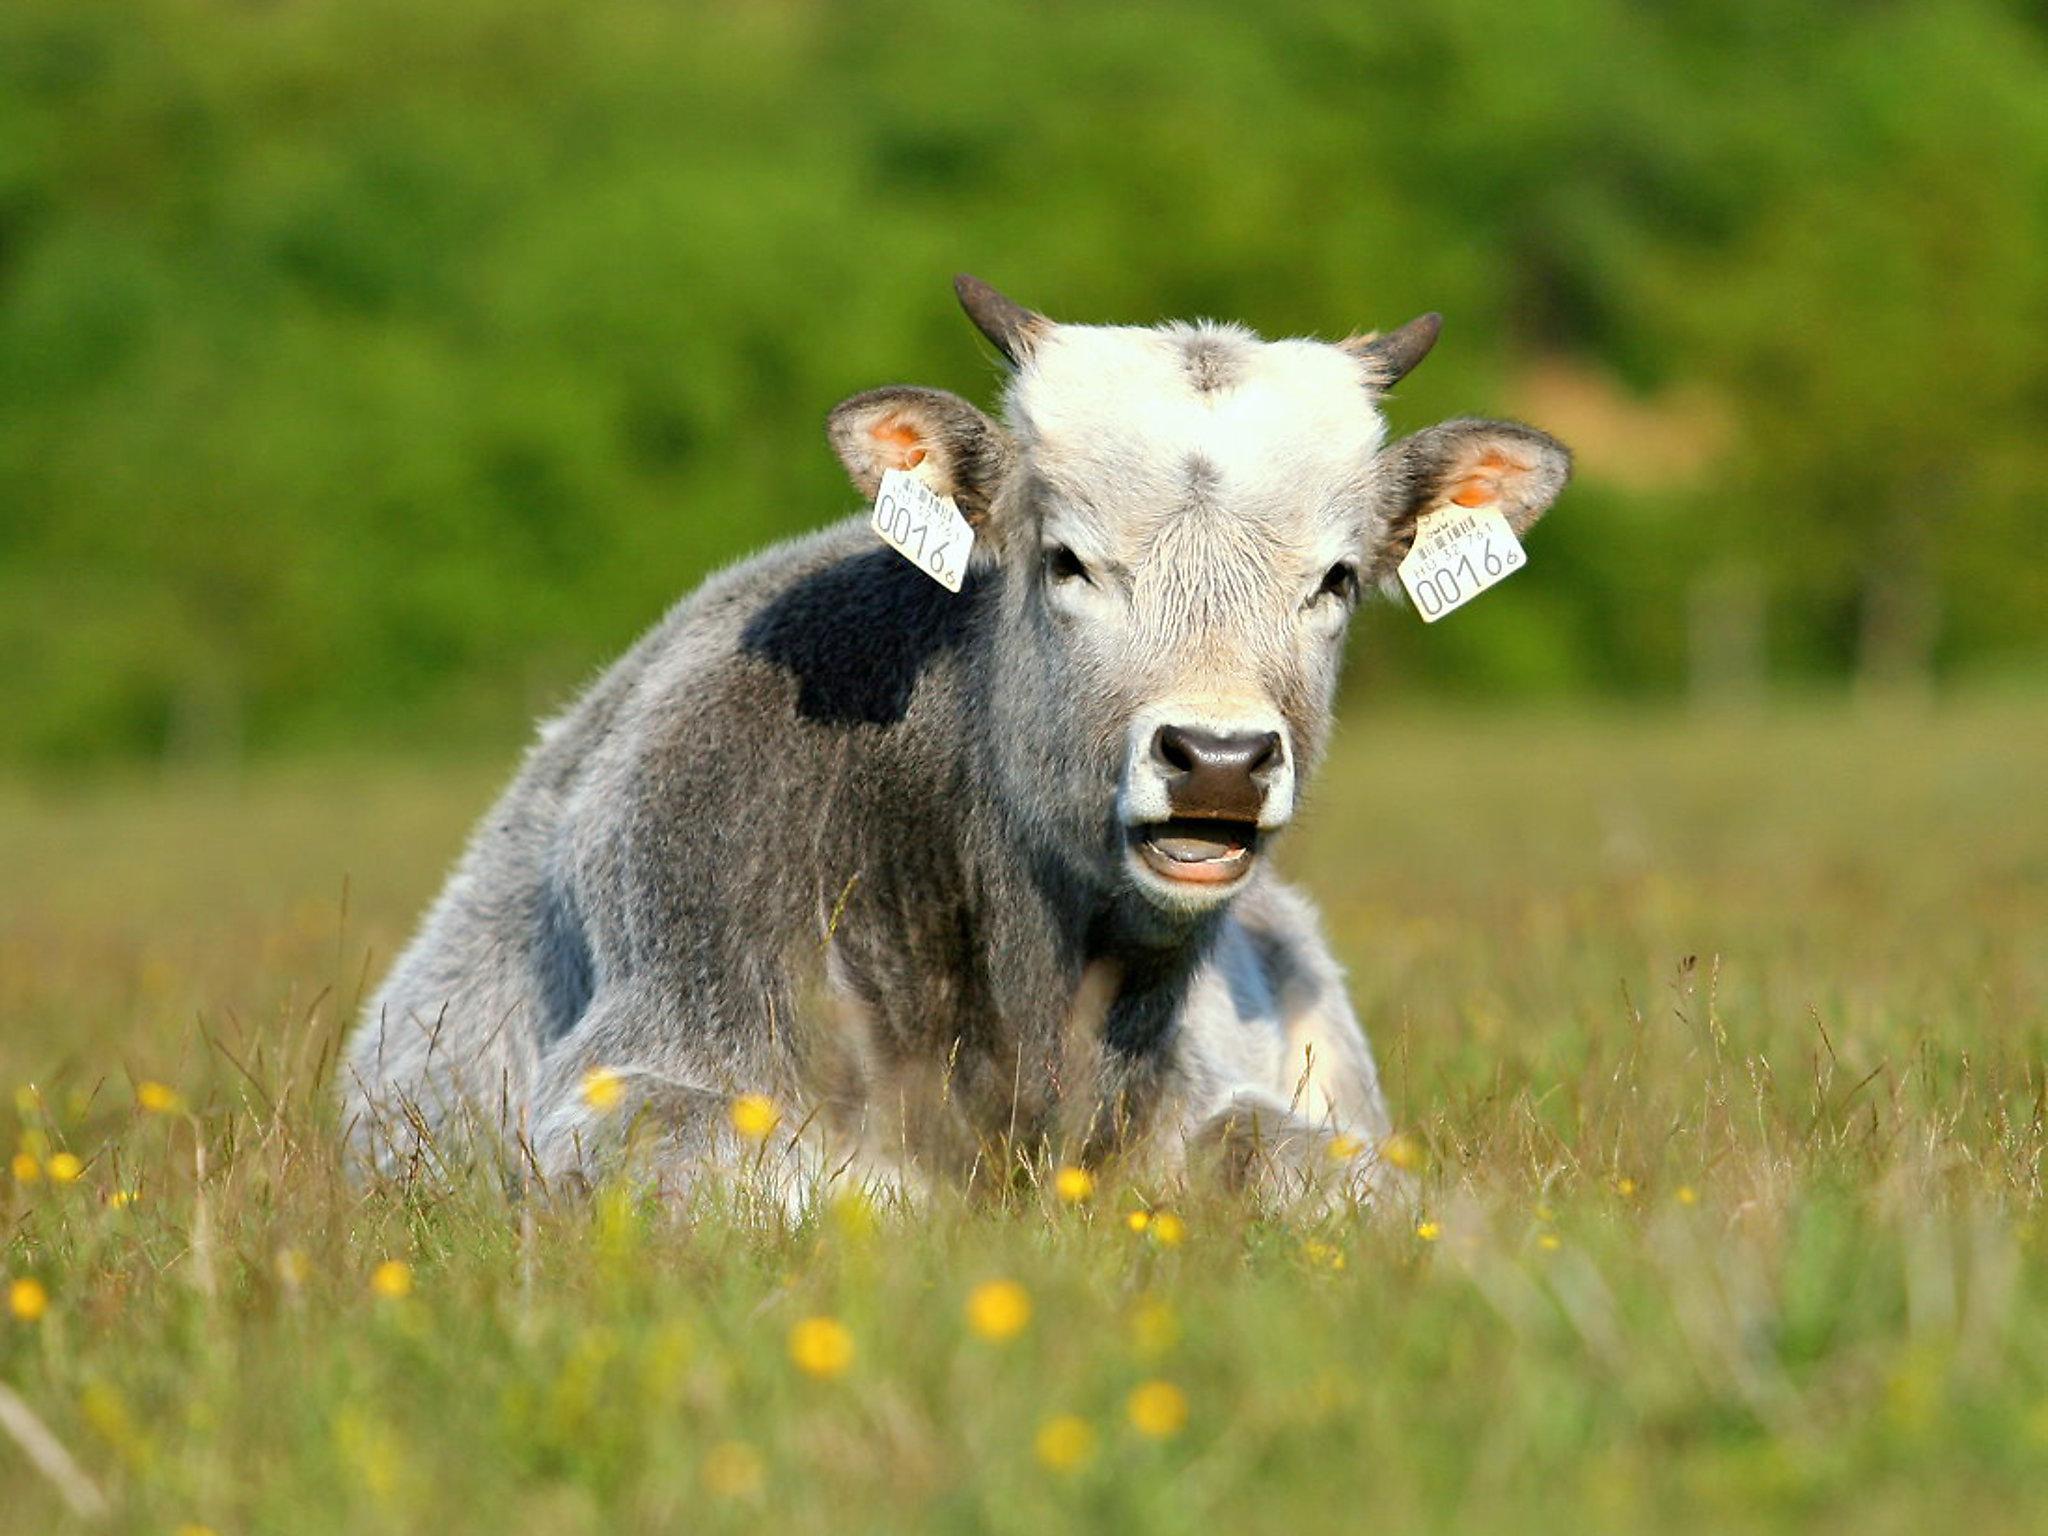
(1184, 518)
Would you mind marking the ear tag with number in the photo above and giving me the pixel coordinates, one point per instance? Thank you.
(923, 527)
(1458, 553)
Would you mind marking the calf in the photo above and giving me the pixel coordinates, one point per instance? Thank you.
(945, 873)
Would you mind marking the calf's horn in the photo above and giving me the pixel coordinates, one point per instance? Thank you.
(1391, 356)
(1014, 329)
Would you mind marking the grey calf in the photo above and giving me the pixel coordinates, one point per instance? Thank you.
(952, 874)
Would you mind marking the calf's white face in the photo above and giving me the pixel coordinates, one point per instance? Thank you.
(1185, 518)
(1201, 502)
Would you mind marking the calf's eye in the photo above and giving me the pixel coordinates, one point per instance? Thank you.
(1340, 582)
(1062, 564)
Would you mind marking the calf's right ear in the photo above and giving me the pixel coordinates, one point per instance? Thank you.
(1467, 463)
(940, 438)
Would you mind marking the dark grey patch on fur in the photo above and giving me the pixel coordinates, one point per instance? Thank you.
(1280, 968)
(858, 633)
(1211, 362)
(1154, 983)
(562, 963)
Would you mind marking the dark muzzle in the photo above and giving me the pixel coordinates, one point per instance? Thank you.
(1210, 776)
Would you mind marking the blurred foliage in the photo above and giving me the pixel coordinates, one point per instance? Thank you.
(369, 366)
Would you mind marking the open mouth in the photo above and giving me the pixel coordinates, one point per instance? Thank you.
(1197, 851)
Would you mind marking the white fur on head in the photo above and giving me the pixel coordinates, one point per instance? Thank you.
(1119, 411)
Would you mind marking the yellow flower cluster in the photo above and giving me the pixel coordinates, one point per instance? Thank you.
(1065, 1442)
(821, 1347)
(27, 1299)
(1322, 1255)
(755, 1116)
(999, 1310)
(392, 1280)
(1403, 1152)
(602, 1089)
(159, 1098)
(1157, 1409)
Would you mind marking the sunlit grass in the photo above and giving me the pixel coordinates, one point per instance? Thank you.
(1716, 1048)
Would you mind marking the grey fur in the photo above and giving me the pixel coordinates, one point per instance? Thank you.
(832, 834)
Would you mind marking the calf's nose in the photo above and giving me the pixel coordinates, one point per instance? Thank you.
(1217, 775)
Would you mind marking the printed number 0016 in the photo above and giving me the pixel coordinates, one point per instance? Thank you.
(1441, 589)
(901, 524)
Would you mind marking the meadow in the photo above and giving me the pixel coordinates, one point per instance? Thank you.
(1716, 1041)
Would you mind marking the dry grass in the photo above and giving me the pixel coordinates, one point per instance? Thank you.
(1723, 1040)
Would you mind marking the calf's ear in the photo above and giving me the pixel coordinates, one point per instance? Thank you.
(1468, 463)
(940, 438)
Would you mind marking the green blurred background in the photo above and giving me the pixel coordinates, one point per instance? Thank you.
(370, 372)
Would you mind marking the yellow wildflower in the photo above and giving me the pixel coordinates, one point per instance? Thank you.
(998, 1310)
(1549, 1242)
(1138, 1221)
(1429, 1231)
(1545, 1213)
(1064, 1442)
(64, 1168)
(159, 1098)
(602, 1089)
(27, 1299)
(1402, 1151)
(821, 1347)
(1342, 1149)
(1625, 1186)
(121, 1199)
(755, 1116)
(1323, 1255)
(1687, 1195)
(1158, 1410)
(1168, 1230)
(392, 1279)
(1073, 1185)
(731, 1470)
(26, 1168)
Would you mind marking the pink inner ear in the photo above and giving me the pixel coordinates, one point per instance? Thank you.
(897, 444)
(1483, 485)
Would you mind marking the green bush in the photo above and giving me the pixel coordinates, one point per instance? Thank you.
(369, 367)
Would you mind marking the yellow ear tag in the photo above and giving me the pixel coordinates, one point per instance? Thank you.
(1458, 553)
(923, 527)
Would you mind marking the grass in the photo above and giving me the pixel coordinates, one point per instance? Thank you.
(1722, 1040)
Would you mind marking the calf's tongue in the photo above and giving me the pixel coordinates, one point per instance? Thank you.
(1188, 845)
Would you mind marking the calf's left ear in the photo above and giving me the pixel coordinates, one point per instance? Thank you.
(939, 437)
(1468, 463)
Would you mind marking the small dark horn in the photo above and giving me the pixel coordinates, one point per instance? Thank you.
(1391, 356)
(1014, 329)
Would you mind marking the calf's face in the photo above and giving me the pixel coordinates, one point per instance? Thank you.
(1186, 517)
